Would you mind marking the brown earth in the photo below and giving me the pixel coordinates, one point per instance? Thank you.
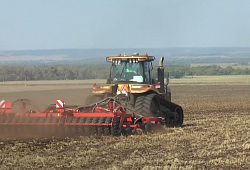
(215, 135)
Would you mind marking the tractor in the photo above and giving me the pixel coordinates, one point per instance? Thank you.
(131, 83)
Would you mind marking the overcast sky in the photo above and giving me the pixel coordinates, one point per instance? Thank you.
(57, 24)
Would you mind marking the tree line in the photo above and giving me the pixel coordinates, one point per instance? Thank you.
(71, 72)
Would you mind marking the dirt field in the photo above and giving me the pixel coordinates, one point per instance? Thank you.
(215, 135)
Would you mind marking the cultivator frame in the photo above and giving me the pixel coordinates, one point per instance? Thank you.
(81, 121)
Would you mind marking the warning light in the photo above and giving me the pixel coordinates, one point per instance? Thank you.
(146, 54)
(58, 114)
(119, 55)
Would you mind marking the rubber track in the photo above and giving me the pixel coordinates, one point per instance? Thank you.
(167, 103)
(142, 105)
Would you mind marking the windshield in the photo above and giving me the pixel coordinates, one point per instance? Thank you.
(128, 72)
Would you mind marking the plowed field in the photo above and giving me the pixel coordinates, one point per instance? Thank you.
(215, 135)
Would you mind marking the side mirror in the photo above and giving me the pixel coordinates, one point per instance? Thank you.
(168, 79)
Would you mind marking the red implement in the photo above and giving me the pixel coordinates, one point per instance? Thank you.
(62, 122)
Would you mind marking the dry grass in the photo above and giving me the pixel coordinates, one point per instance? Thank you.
(215, 135)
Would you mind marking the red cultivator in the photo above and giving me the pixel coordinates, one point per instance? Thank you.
(58, 120)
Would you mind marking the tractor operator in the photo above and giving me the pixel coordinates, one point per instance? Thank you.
(129, 70)
(133, 70)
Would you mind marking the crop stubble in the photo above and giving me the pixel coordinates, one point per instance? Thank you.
(215, 135)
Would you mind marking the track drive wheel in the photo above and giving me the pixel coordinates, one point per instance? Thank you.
(93, 99)
(178, 117)
(148, 105)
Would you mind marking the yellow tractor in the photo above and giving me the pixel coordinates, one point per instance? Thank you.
(131, 83)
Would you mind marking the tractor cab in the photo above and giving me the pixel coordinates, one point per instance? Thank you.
(135, 69)
(131, 77)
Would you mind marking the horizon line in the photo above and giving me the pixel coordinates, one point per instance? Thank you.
(99, 48)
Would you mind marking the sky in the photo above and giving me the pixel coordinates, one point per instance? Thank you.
(60, 24)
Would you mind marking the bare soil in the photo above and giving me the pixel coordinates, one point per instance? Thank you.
(215, 136)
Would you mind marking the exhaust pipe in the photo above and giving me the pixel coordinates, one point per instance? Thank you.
(160, 71)
(161, 62)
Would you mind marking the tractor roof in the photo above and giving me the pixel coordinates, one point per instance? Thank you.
(134, 56)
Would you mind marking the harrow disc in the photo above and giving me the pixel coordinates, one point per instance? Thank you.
(18, 127)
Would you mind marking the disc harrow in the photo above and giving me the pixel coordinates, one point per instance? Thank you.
(61, 121)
